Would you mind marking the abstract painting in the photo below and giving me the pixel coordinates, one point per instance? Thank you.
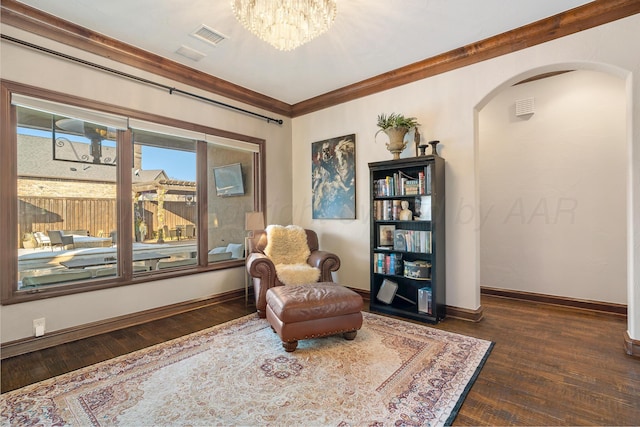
(333, 178)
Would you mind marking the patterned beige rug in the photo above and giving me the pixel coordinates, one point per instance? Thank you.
(237, 373)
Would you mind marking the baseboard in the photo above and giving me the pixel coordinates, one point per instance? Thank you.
(27, 345)
(453, 312)
(631, 346)
(365, 294)
(465, 313)
(605, 307)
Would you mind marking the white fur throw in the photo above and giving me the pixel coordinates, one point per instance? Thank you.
(288, 249)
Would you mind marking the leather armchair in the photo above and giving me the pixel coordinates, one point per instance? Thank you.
(263, 272)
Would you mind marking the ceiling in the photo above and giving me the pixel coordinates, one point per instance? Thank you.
(368, 38)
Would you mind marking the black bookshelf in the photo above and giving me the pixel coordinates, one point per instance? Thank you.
(408, 270)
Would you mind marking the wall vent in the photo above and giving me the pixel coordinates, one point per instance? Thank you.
(192, 54)
(525, 107)
(209, 35)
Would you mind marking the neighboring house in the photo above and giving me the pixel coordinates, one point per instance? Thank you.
(47, 172)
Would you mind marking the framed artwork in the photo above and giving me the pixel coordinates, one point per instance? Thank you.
(386, 235)
(333, 178)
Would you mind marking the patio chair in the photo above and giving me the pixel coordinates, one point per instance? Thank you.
(59, 239)
(42, 239)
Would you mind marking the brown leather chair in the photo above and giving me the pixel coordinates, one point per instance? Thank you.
(263, 272)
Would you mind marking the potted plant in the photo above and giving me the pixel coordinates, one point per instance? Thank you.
(396, 126)
(29, 241)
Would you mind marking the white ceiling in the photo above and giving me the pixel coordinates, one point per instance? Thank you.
(368, 38)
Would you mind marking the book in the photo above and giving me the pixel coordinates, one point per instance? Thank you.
(399, 240)
(395, 212)
(425, 296)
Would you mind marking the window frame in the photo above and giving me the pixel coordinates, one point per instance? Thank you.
(9, 294)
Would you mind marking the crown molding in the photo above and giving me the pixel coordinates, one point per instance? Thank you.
(587, 16)
(590, 15)
(32, 20)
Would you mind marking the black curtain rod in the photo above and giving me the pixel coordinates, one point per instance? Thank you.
(170, 89)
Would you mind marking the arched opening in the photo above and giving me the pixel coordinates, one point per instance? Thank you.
(552, 154)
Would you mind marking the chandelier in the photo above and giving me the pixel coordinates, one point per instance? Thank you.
(285, 24)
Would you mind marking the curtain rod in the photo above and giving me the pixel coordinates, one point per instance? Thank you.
(170, 89)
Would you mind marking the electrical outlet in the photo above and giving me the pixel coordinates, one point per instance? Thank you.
(39, 327)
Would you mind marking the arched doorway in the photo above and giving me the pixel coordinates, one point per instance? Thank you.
(552, 184)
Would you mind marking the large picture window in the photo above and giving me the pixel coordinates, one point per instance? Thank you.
(103, 200)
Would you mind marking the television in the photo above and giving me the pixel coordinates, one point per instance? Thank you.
(228, 180)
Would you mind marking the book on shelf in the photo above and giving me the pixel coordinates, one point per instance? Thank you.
(423, 207)
(395, 210)
(382, 210)
(425, 303)
(412, 241)
(388, 263)
(427, 181)
(400, 184)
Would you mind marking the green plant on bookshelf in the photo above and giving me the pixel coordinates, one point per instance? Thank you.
(396, 126)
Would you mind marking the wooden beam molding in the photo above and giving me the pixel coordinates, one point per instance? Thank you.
(43, 24)
(572, 21)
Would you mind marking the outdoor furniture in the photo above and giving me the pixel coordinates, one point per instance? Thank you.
(42, 239)
(91, 242)
(59, 239)
(181, 231)
(176, 263)
(55, 278)
(150, 259)
(313, 310)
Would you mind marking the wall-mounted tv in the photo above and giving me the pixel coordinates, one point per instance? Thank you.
(228, 180)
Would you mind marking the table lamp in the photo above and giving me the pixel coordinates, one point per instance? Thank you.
(252, 221)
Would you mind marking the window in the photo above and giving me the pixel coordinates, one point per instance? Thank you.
(65, 165)
(165, 202)
(231, 172)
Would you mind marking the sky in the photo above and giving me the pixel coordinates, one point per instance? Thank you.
(180, 165)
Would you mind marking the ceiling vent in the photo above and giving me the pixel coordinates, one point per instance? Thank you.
(525, 107)
(209, 35)
(192, 54)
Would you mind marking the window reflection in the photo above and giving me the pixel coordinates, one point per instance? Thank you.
(165, 205)
(229, 198)
(66, 198)
(71, 186)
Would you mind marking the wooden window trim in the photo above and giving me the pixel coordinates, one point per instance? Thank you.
(9, 197)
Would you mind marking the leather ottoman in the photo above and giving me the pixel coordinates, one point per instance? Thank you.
(313, 310)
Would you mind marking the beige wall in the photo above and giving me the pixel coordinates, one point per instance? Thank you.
(447, 106)
(26, 66)
(552, 188)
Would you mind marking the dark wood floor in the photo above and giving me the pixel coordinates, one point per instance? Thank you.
(550, 365)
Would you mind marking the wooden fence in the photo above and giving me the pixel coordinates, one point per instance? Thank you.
(97, 216)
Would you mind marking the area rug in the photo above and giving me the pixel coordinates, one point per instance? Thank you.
(237, 373)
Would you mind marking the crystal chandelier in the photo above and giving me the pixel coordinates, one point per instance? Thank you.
(285, 24)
